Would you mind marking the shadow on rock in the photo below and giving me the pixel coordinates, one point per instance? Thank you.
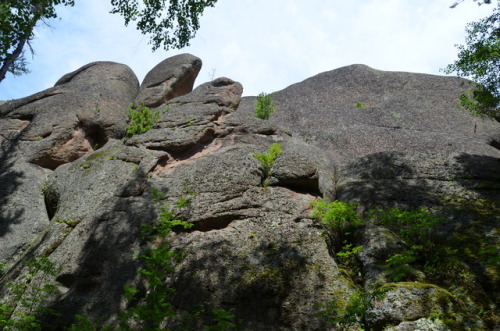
(256, 282)
(10, 179)
(98, 256)
(385, 179)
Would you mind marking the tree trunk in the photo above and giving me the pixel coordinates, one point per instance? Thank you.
(37, 11)
(9, 61)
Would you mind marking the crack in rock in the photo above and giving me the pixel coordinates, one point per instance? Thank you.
(196, 152)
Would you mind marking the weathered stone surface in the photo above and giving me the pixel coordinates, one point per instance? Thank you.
(190, 123)
(252, 248)
(461, 188)
(222, 91)
(78, 115)
(415, 301)
(39, 133)
(417, 179)
(170, 78)
(410, 301)
(421, 324)
(22, 209)
(379, 244)
(404, 112)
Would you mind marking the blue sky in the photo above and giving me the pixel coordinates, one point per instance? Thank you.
(266, 45)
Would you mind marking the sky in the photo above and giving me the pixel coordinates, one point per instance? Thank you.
(266, 45)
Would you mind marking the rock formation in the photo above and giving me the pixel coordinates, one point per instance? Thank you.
(76, 192)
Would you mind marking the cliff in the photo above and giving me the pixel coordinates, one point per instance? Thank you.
(380, 212)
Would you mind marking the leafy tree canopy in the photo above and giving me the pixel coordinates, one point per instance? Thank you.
(479, 60)
(17, 22)
(169, 23)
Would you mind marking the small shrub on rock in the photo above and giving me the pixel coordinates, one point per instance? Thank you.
(142, 119)
(267, 159)
(337, 216)
(355, 312)
(416, 228)
(264, 106)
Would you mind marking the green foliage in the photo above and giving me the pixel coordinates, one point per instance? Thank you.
(184, 199)
(395, 115)
(340, 220)
(17, 23)
(360, 105)
(44, 186)
(29, 295)
(142, 119)
(490, 254)
(170, 25)
(222, 320)
(480, 60)
(479, 2)
(158, 263)
(267, 159)
(264, 106)
(3, 267)
(338, 216)
(356, 310)
(346, 257)
(157, 195)
(84, 323)
(414, 226)
(148, 306)
(399, 265)
(166, 220)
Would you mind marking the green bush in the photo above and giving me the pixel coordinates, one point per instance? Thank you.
(264, 106)
(84, 323)
(416, 228)
(399, 264)
(347, 256)
(158, 263)
(267, 159)
(142, 119)
(29, 294)
(337, 216)
(356, 311)
(479, 60)
(222, 320)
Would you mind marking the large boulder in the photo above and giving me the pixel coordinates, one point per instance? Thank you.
(78, 115)
(356, 110)
(190, 122)
(41, 132)
(170, 78)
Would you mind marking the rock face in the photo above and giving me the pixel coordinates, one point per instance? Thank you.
(357, 110)
(171, 78)
(75, 194)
